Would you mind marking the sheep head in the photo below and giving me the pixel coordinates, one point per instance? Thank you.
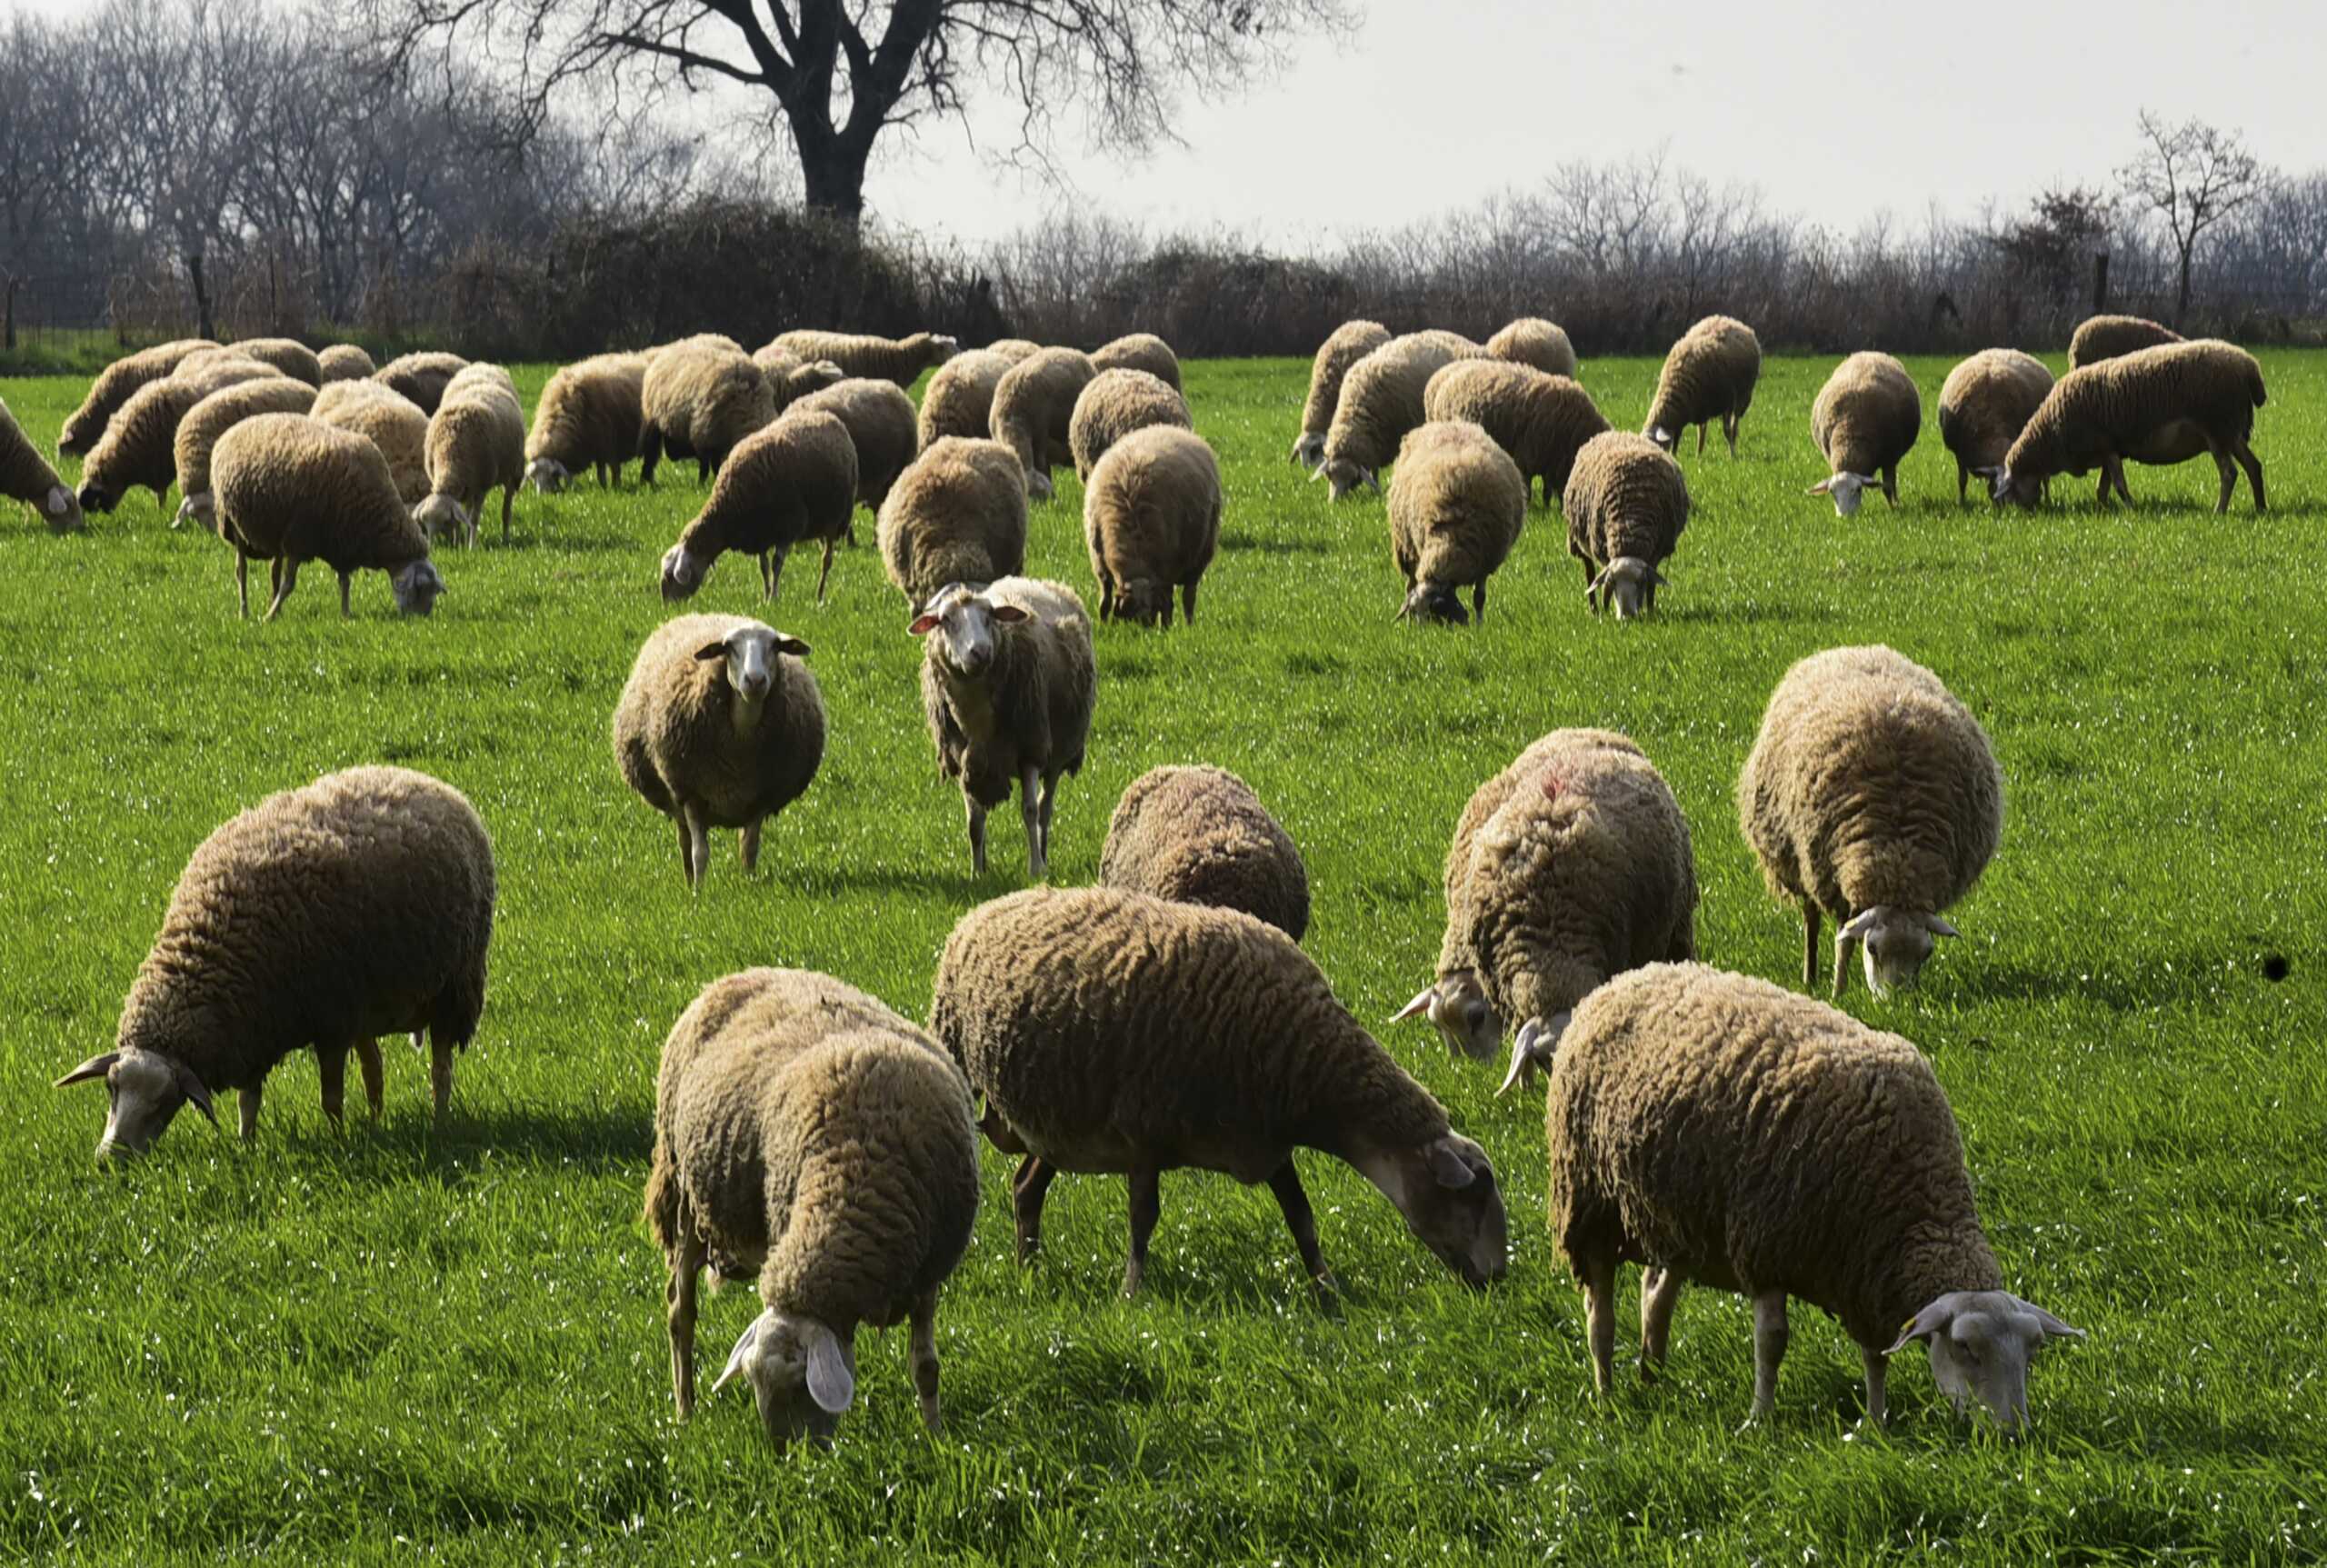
(1438, 602)
(1310, 450)
(1980, 1345)
(1446, 1190)
(1626, 584)
(1665, 440)
(62, 512)
(1535, 1047)
(683, 573)
(1846, 490)
(1465, 1019)
(750, 652)
(1343, 477)
(144, 1090)
(1894, 942)
(802, 1375)
(548, 475)
(416, 584)
(441, 515)
(967, 624)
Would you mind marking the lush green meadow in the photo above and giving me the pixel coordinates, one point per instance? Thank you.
(399, 1342)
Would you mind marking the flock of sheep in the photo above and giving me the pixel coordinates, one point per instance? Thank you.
(1709, 1126)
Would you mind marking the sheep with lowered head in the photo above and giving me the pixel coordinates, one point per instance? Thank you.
(1201, 836)
(1540, 419)
(1532, 340)
(26, 476)
(1709, 375)
(2100, 337)
(2157, 405)
(1349, 343)
(476, 444)
(116, 384)
(1381, 401)
(139, 448)
(1139, 351)
(1457, 504)
(791, 378)
(287, 355)
(957, 514)
(699, 401)
(1626, 502)
(1116, 403)
(880, 420)
(1034, 407)
(587, 419)
(389, 421)
(289, 488)
(1151, 518)
(790, 483)
(959, 399)
(1984, 404)
(1867, 419)
(421, 377)
(211, 418)
(344, 362)
(892, 359)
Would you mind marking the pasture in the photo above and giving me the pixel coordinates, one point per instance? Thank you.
(393, 1343)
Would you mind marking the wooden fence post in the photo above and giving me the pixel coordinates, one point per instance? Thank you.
(2101, 283)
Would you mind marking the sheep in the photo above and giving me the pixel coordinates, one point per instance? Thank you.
(1709, 375)
(1381, 401)
(1571, 864)
(1721, 1130)
(476, 444)
(720, 725)
(2100, 337)
(1032, 405)
(699, 401)
(1626, 504)
(1866, 418)
(320, 918)
(1983, 405)
(1457, 503)
(421, 377)
(344, 362)
(1013, 349)
(287, 355)
(389, 421)
(879, 418)
(1201, 836)
(713, 342)
(804, 1130)
(289, 487)
(139, 448)
(791, 378)
(1139, 351)
(787, 484)
(1110, 1031)
(959, 399)
(1115, 403)
(215, 414)
(893, 359)
(26, 476)
(587, 419)
(1007, 684)
(1542, 420)
(1532, 340)
(1151, 519)
(1871, 794)
(2159, 405)
(957, 514)
(1349, 343)
(116, 385)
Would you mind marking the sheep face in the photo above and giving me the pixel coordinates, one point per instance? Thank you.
(1436, 603)
(1310, 450)
(548, 475)
(98, 498)
(1458, 1006)
(1627, 585)
(144, 1090)
(201, 509)
(1145, 600)
(417, 584)
(751, 652)
(2004, 486)
(940, 346)
(1446, 1190)
(1666, 440)
(681, 573)
(1846, 490)
(966, 623)
(62, 512)
(1343, 477)
(1979, 1343)
(1894, 942)
(801, 1375)
(441, 515)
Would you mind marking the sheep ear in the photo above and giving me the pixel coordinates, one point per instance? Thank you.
(830, 1382)
(58, 501)
(1423, 999)
(1447, 1167)
(739, 1359)
(1317, 472)
(94, 1068)
(1373, 481)
(1938, 928)
(791, 646)
(1822, 487)
(1858, 925)
(922, 625)
(1009, 614)
(2053, 1327)
(193, 1089)
(713, 650)
(1933, 1319)
(1537, 1044)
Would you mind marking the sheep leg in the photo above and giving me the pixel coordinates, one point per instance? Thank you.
(1146, 1206)
(678, 1297)
(1188, 601)
(1660, 1292)
(1701, 425)
(1600, 1319)
(249, 1099)
(1030, 809)
(345, 579)
(285, 583)
(977, 835)
(750, 843)
(924, 1361)
(439, 1072)
(650, 452)
(1302, 1220)
(1050, 799)
(1808, 943)
(694, 842)
(2228, 472)
(2117, 473)
(1027, 1191)
(368, 1058)
(2254, 466)
(507, 491)
(1891, 484)
(1877, 1364)
(1729, 424)
(242, 582)
(823, 573)
(1479, 600)
(1770, 1335)
(331, 1067)
(1845, 946)
(1963, 481)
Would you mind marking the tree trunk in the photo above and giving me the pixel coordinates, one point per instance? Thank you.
(2101, 283)
(193, 273)
(2181, 298)
(833, 174)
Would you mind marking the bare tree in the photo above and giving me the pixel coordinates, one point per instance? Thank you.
(2194, 176)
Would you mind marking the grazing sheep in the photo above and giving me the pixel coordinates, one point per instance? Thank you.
(1033, 405)
(1139, 351)
(2100, 337)
(701, 342)
(957, 514)
(320, 918)
(389, 421)
(718, 727)
(1115, 403)
(421, 377)
(1871, 794)
(1349, 343)
(959, 399)
(1532, 340)
(26, 475)
(804, 1132)
(1151, 518)
(1201, 836)
(2158, 405)
(699, 401)
(1457, 504)
(900, 359)
(476, 444)
(879, 418)
(1540, 419)
(1007, 684)
(344, 362)
(1984, 404)
(139, 448)
(116, 384)
(1626, 502)
(1709, 375)
(1718, 1129)
(1112, 1032)
(287, 355)
(288, 488)
(587, 419)
(791, 378)
(1381, 401)
(1571, 864)
(1866, 418)
(786, 483)
(211, 418)
(1013, 349)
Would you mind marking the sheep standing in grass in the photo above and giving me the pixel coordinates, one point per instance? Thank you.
(1871, 794)
(26, 476)
(897, 360)
(790, 484)
(1865, 420)
(116, 384)
(2156, 405)
(880, 421)
(211, 418)
(806, 1133)
(1139, 351)
(1115, 403)
(344, 362)
(1007, 680)
(476, 444)
(1626, 504)
(1457, 504)
(287, 355)
(1531, 340)
(1381, 401)
(389, 421)
(421, 378)
(699, 402)
(1151, 518)
(957, 514)
(1349, 343)
(1201, 836)
(2100, 337)
(139, 448)
(720, 725)
(1033, 405)
(288, 488)
(587, 419)
(1709, 375)
(1570, 865)
(1112, 1032)
(959, 399)
(1984, 404)
(320, 919)
(1540, 419)
(1718, 1129)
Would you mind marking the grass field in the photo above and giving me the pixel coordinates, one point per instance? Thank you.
(396, 1343)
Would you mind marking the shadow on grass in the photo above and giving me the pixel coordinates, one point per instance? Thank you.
(1751, 615)
(955, 883)
(1259, 546)
(2195, 978)
(592, 1139)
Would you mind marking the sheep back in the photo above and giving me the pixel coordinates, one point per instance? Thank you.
(390, 421)
(1115, 403)
(1867, 415)
(1201, 836)
(957, 514)
(899, 361)
(1151, 520)
(787, 483)
(1541, 419)
(881, 421)
(1139, 351)
(1986, 401)
(344, 362)
(290, 485)
(2100, 337)
(220, 412)
(287, 355)
(676, 738)
(116, 384)
(421, 377)
(1532, 340)
(959, 399)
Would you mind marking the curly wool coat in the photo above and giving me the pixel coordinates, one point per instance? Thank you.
(1542, 420)
(421, 378)
(788, 483)
(685, 740)
(880, 421)
(1151, 521)
(1708, 375)
(1457, 504)
(957, 514)
(589, 415)
(1115, 403)
(390, 421)
(1201, 836)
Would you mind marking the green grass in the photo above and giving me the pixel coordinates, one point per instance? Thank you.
(394, 1342)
